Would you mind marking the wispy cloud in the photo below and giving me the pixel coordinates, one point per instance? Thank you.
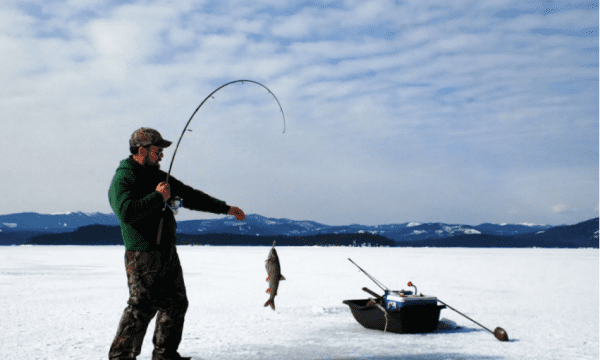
(397, 111)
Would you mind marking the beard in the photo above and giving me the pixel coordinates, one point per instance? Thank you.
(150, 165)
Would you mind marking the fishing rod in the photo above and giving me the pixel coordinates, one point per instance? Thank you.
(498, 332)
(377, 282)
(190, 120)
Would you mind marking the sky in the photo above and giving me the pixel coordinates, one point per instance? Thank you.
(395, 111)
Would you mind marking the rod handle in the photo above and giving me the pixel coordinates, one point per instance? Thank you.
(372, 293)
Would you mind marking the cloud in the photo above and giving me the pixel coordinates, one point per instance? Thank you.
(560, 208)
(416, 108)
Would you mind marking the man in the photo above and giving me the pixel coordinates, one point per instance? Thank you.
(137, 195)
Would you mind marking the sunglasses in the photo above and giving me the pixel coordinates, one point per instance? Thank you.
(158, 153)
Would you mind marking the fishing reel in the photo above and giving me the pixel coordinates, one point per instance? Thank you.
(174, 204)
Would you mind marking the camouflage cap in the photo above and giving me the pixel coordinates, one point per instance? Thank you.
(147, 137)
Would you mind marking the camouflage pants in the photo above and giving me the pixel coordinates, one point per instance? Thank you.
(156, 285)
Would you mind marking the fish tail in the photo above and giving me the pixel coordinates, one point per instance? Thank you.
(270, 302)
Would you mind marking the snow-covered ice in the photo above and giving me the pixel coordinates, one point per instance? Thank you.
(65, 302)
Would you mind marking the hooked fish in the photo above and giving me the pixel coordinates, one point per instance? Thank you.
(274, 270)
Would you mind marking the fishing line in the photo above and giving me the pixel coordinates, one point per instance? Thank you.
(190, 120)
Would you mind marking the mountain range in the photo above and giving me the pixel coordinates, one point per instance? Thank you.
(21, 228)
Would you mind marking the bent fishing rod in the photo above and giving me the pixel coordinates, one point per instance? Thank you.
(160, 225)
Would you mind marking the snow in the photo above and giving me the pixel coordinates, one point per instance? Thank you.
(523, 223)
(413, 224)
(10, 225)
(93, 213)
(472, 231)
(65, 302)
(528, 224)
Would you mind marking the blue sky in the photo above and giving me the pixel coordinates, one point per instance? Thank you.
(396, 111)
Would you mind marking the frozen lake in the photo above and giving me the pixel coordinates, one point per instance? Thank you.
(65, 302)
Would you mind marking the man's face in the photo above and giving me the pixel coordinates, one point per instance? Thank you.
(153, 156)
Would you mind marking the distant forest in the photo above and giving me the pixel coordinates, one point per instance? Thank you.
(111, 235)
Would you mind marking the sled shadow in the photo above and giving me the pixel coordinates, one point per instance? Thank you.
(454, 331)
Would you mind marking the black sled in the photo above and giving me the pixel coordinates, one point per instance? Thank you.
(418, 314)
(400, 312)
(403, 312)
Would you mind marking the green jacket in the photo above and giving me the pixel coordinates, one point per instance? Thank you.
(139, 207)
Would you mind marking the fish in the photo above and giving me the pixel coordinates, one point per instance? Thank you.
(274, 271)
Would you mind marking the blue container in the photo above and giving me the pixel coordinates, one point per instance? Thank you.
(400, 299)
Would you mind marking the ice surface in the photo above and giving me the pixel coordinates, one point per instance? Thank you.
(65, 303)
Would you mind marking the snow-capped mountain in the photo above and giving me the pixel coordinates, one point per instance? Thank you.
(18, 228)
(58, 222)
(257, 225)
(263, 226)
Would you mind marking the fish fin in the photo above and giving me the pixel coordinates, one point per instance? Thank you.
(281, 277)
(268, 290)
(270, 302)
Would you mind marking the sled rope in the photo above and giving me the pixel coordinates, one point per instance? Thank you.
(386, 316)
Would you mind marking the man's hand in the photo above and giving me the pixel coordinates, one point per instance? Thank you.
(165, 190)
(237, 212)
